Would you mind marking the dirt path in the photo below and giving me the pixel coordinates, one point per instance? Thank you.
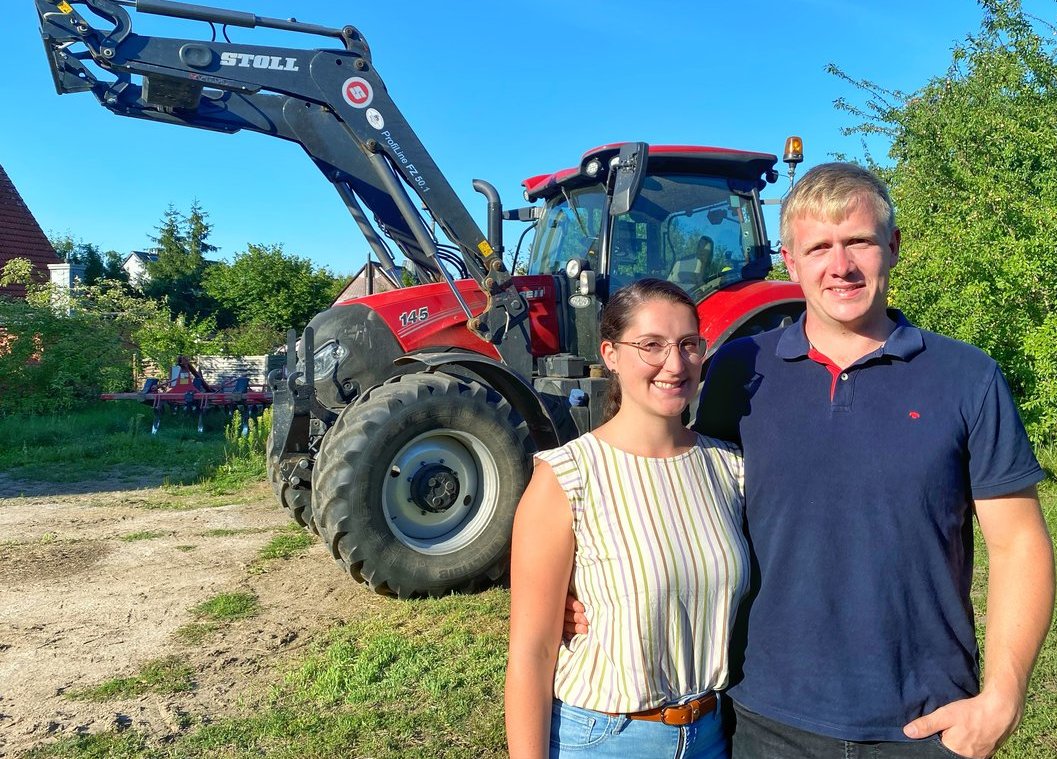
(79, 605)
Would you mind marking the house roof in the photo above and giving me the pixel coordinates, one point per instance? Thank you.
(357, 286)
(21, 236)
(143, 255)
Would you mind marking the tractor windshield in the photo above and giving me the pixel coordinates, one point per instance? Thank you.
(697, 231)
(570, 228)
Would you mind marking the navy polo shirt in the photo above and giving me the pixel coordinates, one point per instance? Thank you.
(859, 488)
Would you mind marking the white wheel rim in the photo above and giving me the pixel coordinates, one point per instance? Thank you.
(464, 521)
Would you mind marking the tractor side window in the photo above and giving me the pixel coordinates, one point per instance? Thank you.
(570, 228)
(696, 231)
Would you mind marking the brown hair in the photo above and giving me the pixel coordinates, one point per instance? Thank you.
(620, 310)
(830, 191)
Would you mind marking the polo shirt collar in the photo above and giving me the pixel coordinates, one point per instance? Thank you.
(904, 342)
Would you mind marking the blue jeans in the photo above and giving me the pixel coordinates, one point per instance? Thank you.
(577, 732)
(757, 737)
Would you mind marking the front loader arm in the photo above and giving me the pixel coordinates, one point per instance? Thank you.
(331, 102)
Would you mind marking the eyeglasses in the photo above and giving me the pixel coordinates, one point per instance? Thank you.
(655, 353)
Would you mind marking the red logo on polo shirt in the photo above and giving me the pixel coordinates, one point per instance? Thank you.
(914, 415)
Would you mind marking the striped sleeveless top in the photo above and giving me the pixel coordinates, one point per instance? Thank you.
(661, 564)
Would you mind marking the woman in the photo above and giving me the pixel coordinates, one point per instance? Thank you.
(641, 519)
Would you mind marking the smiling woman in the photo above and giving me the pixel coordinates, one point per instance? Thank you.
(623, 516)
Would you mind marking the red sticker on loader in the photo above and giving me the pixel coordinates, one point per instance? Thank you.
(357, 92)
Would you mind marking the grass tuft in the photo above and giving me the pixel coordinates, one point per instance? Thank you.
(291, 541)
(195, 632)
(226, 532)
(165, 676)
(126, 744)
(141, 535)
(287, 544)
(228, 606)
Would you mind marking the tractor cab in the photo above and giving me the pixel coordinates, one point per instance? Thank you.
(694, 219)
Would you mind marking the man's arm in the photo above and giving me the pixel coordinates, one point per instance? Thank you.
(1020, 593)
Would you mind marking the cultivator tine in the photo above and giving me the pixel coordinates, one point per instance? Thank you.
(202, 404)
(157, 417)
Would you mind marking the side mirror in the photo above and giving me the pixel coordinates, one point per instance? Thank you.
(629, 171)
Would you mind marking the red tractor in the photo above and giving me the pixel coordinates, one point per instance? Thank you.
(404, 425)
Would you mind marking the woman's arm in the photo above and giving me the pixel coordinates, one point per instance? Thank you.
(540, 565)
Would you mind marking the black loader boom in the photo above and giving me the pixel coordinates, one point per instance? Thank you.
(332, 102)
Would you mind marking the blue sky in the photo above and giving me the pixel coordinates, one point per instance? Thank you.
(496, 90)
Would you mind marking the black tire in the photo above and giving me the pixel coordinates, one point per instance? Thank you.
(297, 502)
(400, 448)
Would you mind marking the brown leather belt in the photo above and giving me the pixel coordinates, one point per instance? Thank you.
(677, 715)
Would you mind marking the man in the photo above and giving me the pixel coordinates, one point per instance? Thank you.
(869, 444)
(692, 272)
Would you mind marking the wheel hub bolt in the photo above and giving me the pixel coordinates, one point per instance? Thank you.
(434, 488)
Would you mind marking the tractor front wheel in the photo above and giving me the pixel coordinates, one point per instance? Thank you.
(415, 488)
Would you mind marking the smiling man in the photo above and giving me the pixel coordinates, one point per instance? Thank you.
(869, 445)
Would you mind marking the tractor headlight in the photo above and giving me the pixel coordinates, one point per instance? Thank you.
(326, 359)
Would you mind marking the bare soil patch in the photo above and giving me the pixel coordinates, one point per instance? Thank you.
(80, 604)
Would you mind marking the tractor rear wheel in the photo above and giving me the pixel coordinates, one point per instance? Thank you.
(415, 488)
(296, 501)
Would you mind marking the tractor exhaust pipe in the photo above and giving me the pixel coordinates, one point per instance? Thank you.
(495, 215)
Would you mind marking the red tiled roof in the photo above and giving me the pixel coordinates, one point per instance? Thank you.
(21, 237)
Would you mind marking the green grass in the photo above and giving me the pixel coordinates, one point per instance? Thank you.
(185, 549)
(113, 441)
(411, 679)
(226, 607)
(194, 633)
(165, 676)
(127, 744)
(141, 535)
(212, 614)
(291, 542)
(190, 498)
(226, 532)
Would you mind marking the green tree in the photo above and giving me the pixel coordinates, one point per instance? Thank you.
(97, 265)
(196, 231)
(176, 276)
(267, 287)
(973, 173)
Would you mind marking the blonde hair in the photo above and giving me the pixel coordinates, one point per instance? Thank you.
(830, 191)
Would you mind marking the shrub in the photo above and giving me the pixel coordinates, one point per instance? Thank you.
(54, 362)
